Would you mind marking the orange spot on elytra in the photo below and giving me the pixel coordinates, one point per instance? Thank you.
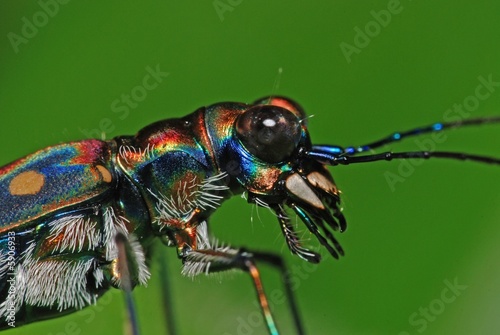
(27, 183)
(106, 175)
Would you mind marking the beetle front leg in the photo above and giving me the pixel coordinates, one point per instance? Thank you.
(226, 258)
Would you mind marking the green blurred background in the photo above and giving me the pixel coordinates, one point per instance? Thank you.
(58, 82)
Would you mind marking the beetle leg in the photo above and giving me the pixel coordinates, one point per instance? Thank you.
(166, 292)
(226, 258)
(125, 281)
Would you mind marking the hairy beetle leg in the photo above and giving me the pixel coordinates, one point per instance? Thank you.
(131, 327)
(226, 258)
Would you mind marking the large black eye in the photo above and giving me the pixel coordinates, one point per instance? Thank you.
(268, 132)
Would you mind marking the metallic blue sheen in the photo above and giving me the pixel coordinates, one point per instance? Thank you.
(437, 126)
(396, 136)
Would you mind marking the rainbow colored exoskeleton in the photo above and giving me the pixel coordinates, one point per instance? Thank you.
(79, 218)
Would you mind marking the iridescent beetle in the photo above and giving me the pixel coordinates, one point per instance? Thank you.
(79, 218)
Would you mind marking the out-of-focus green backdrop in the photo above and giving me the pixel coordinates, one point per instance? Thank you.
(363, 69)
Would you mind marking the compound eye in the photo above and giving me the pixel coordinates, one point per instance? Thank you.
(283, 102)
(270, 133)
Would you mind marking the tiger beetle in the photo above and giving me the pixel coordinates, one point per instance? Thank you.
(79, 218)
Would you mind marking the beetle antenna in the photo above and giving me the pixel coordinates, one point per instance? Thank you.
(335, 155)
(388, 156)
(433, 128)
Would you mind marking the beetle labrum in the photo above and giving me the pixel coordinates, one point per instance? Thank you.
(79, 218)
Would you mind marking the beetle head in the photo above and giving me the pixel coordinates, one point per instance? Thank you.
(268, 161)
